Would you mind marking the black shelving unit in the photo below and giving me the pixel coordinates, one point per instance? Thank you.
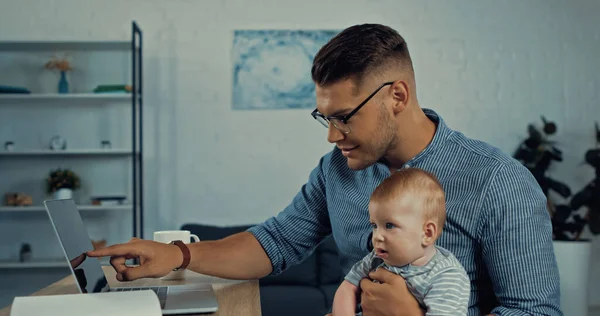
(134, 46)
(137, 132)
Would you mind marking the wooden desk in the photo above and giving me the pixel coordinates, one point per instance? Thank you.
(234, 297)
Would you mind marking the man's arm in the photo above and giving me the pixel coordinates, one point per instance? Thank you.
(267, 248)
(517, 245)
(289, 237)
(238, 256)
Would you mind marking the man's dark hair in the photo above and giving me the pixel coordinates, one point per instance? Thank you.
(357, 51)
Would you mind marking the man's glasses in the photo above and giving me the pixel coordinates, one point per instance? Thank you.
(341, 122)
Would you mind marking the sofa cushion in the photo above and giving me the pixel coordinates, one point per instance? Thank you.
(329, 292)
(280, 300)
(330, 270)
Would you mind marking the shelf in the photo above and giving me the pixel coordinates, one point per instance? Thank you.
(120, 96)
(69, 152)
(86, 208)
(24, 160)
(54, 263)
(64, 45)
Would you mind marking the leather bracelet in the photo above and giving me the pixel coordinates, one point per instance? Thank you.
(186, 254)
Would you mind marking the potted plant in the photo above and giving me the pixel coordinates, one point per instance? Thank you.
(61, 183)
(572, 251)
(569, 219)
(63, 65)
(583, 209)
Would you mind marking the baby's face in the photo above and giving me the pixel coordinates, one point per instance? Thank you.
(397, 230)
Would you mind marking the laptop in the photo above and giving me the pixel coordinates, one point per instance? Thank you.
(75, 242)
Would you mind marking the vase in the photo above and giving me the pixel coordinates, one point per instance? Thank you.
(573, 259)
(63, 193)
(63, 84)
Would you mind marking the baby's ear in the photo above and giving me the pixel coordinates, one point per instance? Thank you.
(429, 233)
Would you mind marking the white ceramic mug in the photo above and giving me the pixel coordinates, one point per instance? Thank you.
(167, 236)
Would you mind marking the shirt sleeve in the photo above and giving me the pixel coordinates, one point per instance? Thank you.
(448, 294)
(360, 269)
(291, 236)
(517, 245)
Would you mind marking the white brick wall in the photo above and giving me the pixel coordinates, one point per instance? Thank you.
(488, 67)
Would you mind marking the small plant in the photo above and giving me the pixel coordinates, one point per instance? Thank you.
(61, 64)
(62, 179)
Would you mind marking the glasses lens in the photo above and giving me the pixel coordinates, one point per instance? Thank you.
(344, 128)
(322, 120)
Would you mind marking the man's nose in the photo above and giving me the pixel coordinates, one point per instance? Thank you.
(334, 135)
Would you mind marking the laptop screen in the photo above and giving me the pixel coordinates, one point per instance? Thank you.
(75, 242)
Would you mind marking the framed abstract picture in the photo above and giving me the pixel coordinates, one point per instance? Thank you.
(271, 68)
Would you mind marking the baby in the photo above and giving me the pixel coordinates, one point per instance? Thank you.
(407, 213)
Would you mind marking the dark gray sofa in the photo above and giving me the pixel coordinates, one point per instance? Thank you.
(305, 289)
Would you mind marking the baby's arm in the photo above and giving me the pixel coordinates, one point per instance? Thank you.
(344, 301)
(346, 296)
(449, 294)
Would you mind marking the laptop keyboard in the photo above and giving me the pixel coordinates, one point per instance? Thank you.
(161, 292)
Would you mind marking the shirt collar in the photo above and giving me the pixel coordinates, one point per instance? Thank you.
(442, 132)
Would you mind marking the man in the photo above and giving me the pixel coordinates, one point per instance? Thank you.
(497, 223)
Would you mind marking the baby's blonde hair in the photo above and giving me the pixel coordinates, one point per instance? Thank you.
(419, 184)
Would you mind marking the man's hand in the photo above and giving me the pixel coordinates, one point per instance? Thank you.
(156, 259)
(391, 297)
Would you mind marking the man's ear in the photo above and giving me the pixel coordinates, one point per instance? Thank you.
(429, 233)
(400, 96)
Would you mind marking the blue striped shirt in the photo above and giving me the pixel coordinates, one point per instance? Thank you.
(497, 224)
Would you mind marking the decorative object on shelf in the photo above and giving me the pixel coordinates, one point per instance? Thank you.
(14, 90)
(62, 182)
(64, 66)
(17, 199)
(25, 253)
(58, 143)
(108, 200)
(113, 88)
(63, 193)
(105, 144)
(9, 146)
(97, 244)
(63, 84)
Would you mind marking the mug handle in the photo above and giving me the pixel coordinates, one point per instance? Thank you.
(195, 238)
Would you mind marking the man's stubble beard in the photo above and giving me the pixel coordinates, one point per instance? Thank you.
(385, 140)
